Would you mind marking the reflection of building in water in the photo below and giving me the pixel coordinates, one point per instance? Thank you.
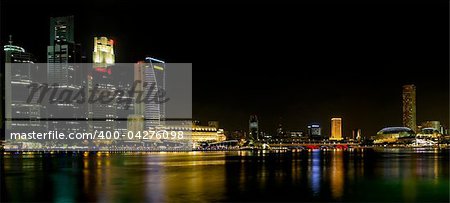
(20, 73)
(337, 175)
(315, 173)
(394, 135)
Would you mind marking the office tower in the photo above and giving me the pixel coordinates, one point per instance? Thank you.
(65, 74)
(62, 53)
(314, 131)
(409, 107)
(149, 77)
(103, 54)
(101, 79)
(20, 72)
(157, 75)
(253, 127)
(336, 129)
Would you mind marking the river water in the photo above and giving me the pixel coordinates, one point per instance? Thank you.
(357, 175)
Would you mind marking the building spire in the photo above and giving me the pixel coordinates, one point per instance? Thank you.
(10, 40)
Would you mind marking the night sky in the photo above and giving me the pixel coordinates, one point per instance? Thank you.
(291, 63)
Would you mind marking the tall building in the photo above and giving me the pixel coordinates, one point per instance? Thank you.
(314, 131)
(253, 127)
(336, 129)
(157, 74)
(64, 73)
(101, 78)
(62, 53)
(409, 107)
(356, 135)
(20, 72)
(151, 77)
(103, 55)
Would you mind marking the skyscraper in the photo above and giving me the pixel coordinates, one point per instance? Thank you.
(20, 72)
(65, 74)
(253, 127)
(100, 78)
(314, 131)
(151, 77)
(62, 53)
(103, 54)
(336, 129)
(409, 107)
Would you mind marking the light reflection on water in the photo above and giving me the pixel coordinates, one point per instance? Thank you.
(228, 176)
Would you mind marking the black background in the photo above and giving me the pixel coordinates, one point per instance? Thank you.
(291, 63)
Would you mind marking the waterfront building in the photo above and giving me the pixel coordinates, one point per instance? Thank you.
(314, 131)
(65, 73)
(431, 124)
(336, 129)
(253, 127)
(151, 75)
(102, 114)
(356, 135)
(20, 72)
(409, 107)
(103, 54)
(391, 135)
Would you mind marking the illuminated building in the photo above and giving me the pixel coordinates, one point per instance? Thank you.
(429, 133)
(157, 75)
(64, 73)
(150, 72)
(100, 77)
(20, 72)
(103, 55)
(356, 135)
(62, 53)
(336, 129)
(431, 124)
(207, 134)
(409, 107)
(253, 127)
(394, 135)
(314, 131)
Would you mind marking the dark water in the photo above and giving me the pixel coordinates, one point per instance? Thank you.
(359, 176)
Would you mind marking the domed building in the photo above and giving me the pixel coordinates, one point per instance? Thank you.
(394, 135)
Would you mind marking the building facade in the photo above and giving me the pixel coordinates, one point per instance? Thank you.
(336, 129)
(315, 132)
(409, 107)
(253, 127)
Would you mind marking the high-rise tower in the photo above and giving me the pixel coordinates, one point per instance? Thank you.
(336, 129)
(409, 107)
(253, 127)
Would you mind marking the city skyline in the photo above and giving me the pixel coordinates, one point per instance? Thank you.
(367, 102)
